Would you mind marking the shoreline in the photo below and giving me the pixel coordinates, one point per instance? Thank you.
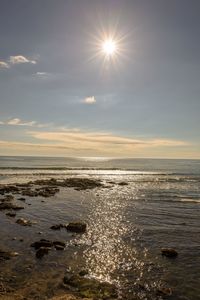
(81, 263)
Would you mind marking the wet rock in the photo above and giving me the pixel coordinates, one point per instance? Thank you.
(123, 183)
(83, 273)
(42, 243)
(5, 255)
(90, 288)
(78, 227)
(11, 214)
(9, 205)
(21, 199)
(48, 192)
(169, 252)
(58, 226)
(30, 193)
(164, 291)
(24, 222)
(4, 189)
(8, 198)
(41, 252)
(59, 247)
(82, 183)
(59, 243)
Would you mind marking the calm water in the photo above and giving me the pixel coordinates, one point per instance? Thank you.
(127, 225)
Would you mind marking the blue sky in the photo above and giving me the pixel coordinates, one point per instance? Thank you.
(60, 96)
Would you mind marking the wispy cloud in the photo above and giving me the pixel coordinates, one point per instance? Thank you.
(106, 144)
(15, 60)
(89, 100)
(4, 65)
(19, 122)
(20, 59)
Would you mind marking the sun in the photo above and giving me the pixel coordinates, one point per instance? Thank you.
(109, 47)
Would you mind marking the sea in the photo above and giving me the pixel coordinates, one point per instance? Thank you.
(128, 225)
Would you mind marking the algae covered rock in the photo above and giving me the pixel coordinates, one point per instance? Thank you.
(90, 287)
(78, 227)
(169, 252)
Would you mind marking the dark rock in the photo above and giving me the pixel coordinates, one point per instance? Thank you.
(8, 205)
(59, 247)
(42, 243)
(164, 291)
(8, 198)
(23, 222)
(123, 183)
(29, 193)
(77, 227)
(59, 243)
(21, 199)
(82, 183)
(169, 252)
(58, 226)
(41, 252)
(83, 273)
(11, 214)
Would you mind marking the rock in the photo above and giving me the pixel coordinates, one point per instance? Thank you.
(23, 222)
(59, 243)
(164, 291)
(77, 227)
(83, 273)
(169, 252)
(21, 199)
(8, 198)
(8, 205)
(81, 183)
(41, 252)
(11, 214)
(123, 183)
(58, 226)
(59, 247)
(42, 243)
(5, 255)
(29, 193)
(90, 288)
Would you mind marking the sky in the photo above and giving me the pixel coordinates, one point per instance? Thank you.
(60, 95)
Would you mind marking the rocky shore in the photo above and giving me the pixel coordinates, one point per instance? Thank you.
(71, 283)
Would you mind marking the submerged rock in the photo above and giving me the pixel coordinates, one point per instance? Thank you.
(58, 226)
(9, 205)
(164, 291)
(42, 243)
(5, 255)
(78, 227)
(21, 199)
(23, 222)
(11, 214)
(46, 244)
(169, 252)
(42, 251)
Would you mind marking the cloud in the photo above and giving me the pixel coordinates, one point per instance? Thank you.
(41, 74)
(20, 59)
(13, 60)
(19, 122)
(89, 100)
(4, 65)
(84, 143)
(77, 142)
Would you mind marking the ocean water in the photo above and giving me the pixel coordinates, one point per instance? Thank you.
(127, 225)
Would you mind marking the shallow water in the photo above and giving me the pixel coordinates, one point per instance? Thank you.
(127, 227)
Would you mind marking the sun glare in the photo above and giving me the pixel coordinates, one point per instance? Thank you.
(109, 47)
